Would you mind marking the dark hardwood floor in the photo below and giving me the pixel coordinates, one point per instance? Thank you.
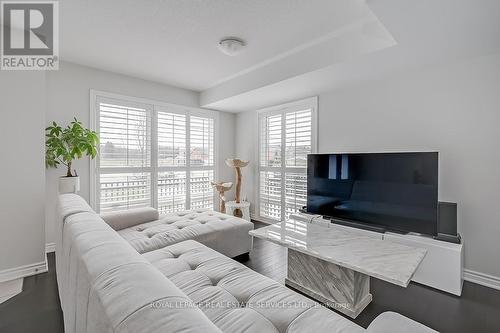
(37, 308)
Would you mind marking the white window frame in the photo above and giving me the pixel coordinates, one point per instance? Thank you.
(283, 109)
(155, 106)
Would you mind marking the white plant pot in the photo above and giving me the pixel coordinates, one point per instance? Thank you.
(69, 184)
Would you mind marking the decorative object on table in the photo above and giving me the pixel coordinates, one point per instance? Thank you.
(221, 188)
(243, 208)
(65, 145)
(237, 164)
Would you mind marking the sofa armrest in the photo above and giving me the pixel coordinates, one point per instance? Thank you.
(128, 218)
(392, 322)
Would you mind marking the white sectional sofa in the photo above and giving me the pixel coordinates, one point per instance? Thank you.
(106, 285)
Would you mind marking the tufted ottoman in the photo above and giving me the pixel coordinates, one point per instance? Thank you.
(237, 299)
(223, 233)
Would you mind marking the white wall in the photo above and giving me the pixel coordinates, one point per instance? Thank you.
(454, 109)
(246, 149)
(227, 147)
(69, 96)
(22, 222)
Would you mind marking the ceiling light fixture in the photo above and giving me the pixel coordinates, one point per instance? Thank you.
(231, 46)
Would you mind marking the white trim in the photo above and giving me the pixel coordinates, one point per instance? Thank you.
(150, 101)
(93, 161)
(283, 165)
(188, 162)
(306, 102)
(256, 185)
(50, 247)
(482, 279)
(10, 289)
(314, 124)
(154, 158)
(217, 147)
(23, 271)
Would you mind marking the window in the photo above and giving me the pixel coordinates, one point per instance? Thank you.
(152, 154)
(287, 133)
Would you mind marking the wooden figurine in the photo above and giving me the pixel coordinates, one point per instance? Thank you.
(237, 164)
(221, 188)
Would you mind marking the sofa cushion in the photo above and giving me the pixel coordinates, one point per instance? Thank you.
(393, 322)
(237, 299)
(224, 233)
(127, 218)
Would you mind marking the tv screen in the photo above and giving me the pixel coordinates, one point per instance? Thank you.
(395, 191)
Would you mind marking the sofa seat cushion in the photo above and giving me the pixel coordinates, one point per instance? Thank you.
(224, 233)
(237, 299)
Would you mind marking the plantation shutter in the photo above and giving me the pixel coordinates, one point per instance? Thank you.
(298, 138)
(125, 155)
(202, 161)
(295, 192)
(286, 137)
(270, 194)
(270, 152)
(298, 143)
(161, 156)
(201, 141)
(172, 154)
(172, 147)
(270, 163)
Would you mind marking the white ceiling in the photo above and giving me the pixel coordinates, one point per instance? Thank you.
(296, 48)
(427, 32)
(175, 41)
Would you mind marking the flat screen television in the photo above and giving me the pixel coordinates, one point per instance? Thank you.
(386, 191)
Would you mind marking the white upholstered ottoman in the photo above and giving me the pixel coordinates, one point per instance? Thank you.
(146, 231)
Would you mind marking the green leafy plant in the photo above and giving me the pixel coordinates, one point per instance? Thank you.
(63, 146)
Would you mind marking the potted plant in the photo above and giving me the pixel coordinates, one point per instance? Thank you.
(63, 146)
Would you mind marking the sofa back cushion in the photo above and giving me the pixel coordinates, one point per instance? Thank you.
(128, 218)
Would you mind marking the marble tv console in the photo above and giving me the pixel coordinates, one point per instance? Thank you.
(442, 267)
(334, 265)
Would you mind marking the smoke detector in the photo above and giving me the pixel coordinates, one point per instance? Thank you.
(231, 46)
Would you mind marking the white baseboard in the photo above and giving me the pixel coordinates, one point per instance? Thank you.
(50, 247)
(23, 271)
(482, 279)
(10, 289)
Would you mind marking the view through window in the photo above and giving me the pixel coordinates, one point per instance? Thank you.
(153, 155)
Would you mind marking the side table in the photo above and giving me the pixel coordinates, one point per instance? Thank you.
(244, 206)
